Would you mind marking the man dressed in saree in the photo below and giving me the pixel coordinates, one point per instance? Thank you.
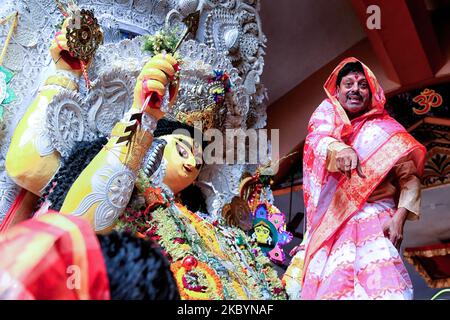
(361, 174)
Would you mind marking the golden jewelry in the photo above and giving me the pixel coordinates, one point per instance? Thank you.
(62, 82)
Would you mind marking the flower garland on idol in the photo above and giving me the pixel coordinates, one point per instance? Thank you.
(209, 260)
(269, 223)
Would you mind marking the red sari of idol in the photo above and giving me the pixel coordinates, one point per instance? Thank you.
(380, 141)
(52, 257)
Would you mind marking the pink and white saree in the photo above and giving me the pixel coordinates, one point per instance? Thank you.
(347, 255)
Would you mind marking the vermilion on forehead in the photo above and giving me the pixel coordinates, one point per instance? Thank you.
(358, 76)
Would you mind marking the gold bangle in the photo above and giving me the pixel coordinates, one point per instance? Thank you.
(62, 82)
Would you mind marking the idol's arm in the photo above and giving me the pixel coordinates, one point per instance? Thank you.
(103, 189)
(31, 160)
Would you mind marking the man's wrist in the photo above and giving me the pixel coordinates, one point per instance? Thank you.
(338, 146)
(401, 214)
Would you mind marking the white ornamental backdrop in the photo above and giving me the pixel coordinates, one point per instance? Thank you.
(231, 28)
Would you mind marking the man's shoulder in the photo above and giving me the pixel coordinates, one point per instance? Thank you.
(390, 122)
(325, 107)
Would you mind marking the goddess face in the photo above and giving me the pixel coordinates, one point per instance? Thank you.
(184, 161)
(262, 234)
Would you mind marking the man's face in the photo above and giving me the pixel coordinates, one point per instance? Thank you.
(354, 93)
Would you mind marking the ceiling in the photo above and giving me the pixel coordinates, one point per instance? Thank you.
(308, 38)
(301, 39)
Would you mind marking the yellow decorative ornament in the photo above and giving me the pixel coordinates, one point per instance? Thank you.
(294, 273)
(206, 117)
(205, 230)
(262, 232)
(196, 281)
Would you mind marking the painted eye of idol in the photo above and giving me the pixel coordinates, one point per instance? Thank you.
(183, 146)
(185, 149)
(182, 151)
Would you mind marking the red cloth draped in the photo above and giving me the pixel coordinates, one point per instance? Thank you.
(52, 257)
(380, 141)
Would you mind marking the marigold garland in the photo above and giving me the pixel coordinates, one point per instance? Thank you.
(182, 233)
(211, 281)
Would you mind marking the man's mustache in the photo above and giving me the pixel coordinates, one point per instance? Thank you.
(354, 94)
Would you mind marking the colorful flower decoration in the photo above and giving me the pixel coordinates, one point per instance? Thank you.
(219, 93)
(220, 75)
(6, 93)
(208, 259)
(196, 281)
(269, 231)
(154, 198)
(204, 230)
(162, 41)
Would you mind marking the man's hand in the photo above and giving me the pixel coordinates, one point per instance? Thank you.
(393, 228)
(347, 160)
(156, 75)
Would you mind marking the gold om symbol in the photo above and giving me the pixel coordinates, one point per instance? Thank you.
(427, 99)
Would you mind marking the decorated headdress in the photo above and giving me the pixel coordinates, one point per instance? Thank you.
(202, 95)
(211, 90)
(255, 190)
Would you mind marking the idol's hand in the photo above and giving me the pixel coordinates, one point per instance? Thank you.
(347, 160)
(60, 53)
(157, 74)
(393, 228)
